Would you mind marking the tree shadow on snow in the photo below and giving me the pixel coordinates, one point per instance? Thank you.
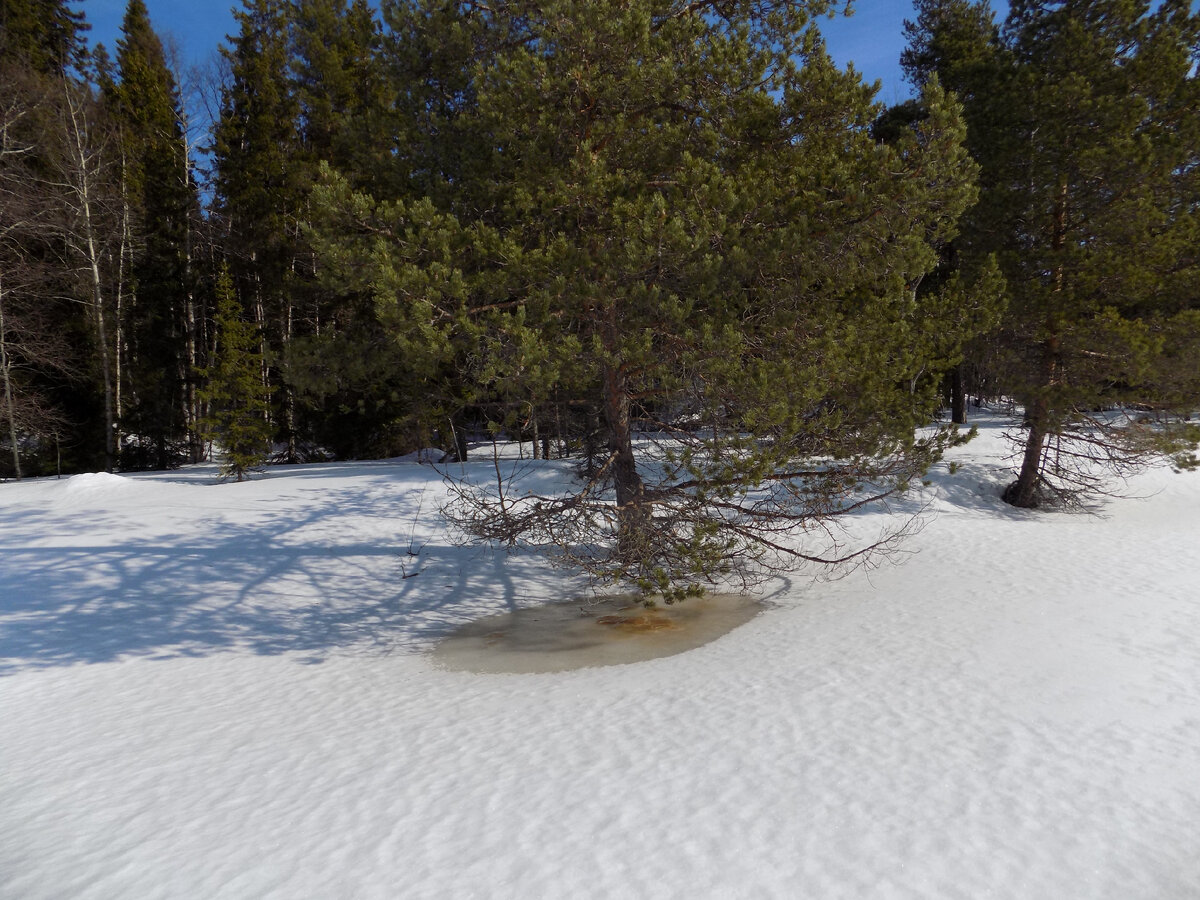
(343, 573)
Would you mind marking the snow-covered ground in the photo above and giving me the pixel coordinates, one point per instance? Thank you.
(223, 690)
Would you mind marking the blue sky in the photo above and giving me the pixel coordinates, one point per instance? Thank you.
(872, 38)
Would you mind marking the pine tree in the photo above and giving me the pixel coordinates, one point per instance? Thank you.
(1097, 202)
(957, 42)
(679, 217)
(234, 393)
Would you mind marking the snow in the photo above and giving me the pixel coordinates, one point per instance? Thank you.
(224, 690)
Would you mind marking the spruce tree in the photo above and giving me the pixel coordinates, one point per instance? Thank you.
(348, 379)
(680, 217)
(237, 401)
(340, 87)
(260, 185)
(46, 35)
(956, 40)
(161, 196)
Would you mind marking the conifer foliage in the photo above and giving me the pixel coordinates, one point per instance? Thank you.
(159, 198)
(45, 335)
(1085, 118)
(1101, 237)
(669, 238)
(260, 176)
(683, 220)
(235, 395)
(45, 35)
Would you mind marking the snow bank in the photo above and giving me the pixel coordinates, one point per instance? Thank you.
(93, 484)
(424, 455)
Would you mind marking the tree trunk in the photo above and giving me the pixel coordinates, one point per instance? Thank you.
(591, 441)
(10, 407)
(1023, 492)
(460, 437)
(289, 396)
(558, 431)
(958, 395)
(191, 401)
(82, 185)
(632, 514)
(260, 322)
(125, 251)
(110, 422)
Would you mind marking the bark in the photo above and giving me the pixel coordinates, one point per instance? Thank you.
(958, 395)
(82, 184)
(591, 437)
(1023, 492)
(191, 400)
(10, 408)
(632, 513)
(460, 438)
(289, 396)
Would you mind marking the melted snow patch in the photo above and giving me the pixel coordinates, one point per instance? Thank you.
(557, 637)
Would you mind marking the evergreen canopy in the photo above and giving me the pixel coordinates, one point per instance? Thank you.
(1085, 115)
(679, 218)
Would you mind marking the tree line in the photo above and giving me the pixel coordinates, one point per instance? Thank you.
(670, 238)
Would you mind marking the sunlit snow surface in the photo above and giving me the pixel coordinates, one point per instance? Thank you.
(225, 691)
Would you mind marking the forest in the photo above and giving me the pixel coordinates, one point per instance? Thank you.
(670, 239)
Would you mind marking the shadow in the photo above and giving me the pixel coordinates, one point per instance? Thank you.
(210, 473)
(979, 486)
(182, 570)
(976, 487)
(342, 558)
